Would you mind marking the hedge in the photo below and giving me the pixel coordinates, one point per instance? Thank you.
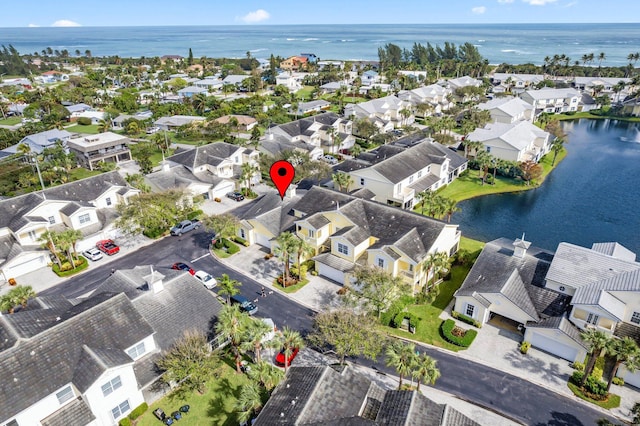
(231, 247)
(464, 318)
(81, 265)
(138, 411)
(194, 214)
(84, 121)
(125, 422)
(396, 307)
(465, 341)
(413, 320)
(241, 241)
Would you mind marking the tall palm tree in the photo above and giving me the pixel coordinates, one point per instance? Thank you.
(254, 334)
(401, 357)
(451, 207)
(286, 243)
(22, 294)
(248, 402)
(49, 239)
(231, 325)
(622, 350)
(267, 374)
(556, 146)
(601, 57)
(484, 160)
(425, 370)
(228, 287)
(597, 341)
(302, 249)
(343, 180)
(104, 125)
(290, 339)
(426, 197)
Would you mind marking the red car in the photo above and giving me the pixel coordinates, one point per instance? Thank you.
(280, 357)
(183, 267)
(108, 247)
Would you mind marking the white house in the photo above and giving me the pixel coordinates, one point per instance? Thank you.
(175, 121)
(386, 113)
(291, 80)
(508, 110)
(552, 100)
(516, 82)
(435, 95)
(92, 149)
(39, 141)
(519, 141)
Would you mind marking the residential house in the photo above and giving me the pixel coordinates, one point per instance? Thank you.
(92, 360)
(175, 121)
(312, 106)
(273, 145)
(39, 141)
(631, 107)
(416, 75)
(209, 170)
(515, 82)
(333, 87)
(519, 141)
(335, 64)
(604, 85)
(326, 131)
(118, 123)
(347, 230)
(191, 91)
(370, 77)
(92, 149)
(324, 395)
(386, 113)
(294, 63)
(459, 83)
(396, 174)
(508, 110)
(311, 57)
(235, 79)
(291, 80)
(552, 100)
(95, 116)
(87, 205)
(76, 108)
(436, 96)
(51, 77)
(211, 84)
(245, 123)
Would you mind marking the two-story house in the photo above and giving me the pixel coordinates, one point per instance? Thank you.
(209, 170)
(86, 205)
(386, 113)
(396, 173)
(508, 110)
(92, 149)
(91, 361)
(552, 100)
(294, 63)
(512, 82)
(39, 141)
(347, 231)
(435, 95)
(291, 80)
(518, 141)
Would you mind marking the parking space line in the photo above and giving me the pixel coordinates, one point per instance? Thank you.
(198, 258)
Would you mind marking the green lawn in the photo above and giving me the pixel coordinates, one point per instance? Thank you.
(81, 173)
(156, 157)
(291, 288)
(472, 246)
(304, 94)
(589, 115)
(214, 407)
(11, 121)
(78, 128)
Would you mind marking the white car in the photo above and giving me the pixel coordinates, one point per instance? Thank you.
(206, 279)
(92, 254)
(330, 159)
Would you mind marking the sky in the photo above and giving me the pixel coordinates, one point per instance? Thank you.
(47, 13)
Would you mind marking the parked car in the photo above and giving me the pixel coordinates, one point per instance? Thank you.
(280, 357)
(92, 254)
(183, 267)
(185, 226)
(152, 130)
(235, 196)
(206, 279)
(244, 303)
(108, 247)
(329, 159)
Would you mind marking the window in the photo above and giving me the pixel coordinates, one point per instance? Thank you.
(343, 249)
(137, 351)
(419, 174)
(64, 395)
(311, 233)
(108, 201)
(635, 318)
(33, 235)
(84, 218)
(488, 149)
(411, 179)
(592, 319)
(52, 220)
(242, 234)
(361, 181)
(111, 385)
(120, 409)
(410, 268)
(429, 169)
(470, 310)
(381, 262)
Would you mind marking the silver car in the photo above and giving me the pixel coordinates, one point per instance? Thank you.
(206, 279)
(92, 254)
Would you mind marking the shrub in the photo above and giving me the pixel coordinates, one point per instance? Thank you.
(597, 373)
(576, 377)
(314, 273)
(241, 241)
(396, 307)
(81, 265)
(153, 233)
(465, 341)
(138, 411)
(413, 320)
(125, 422)
(578, 365)
(231, 247)
(194, 214)
(596, 387)
(619, 381)
(464, 318)
(524, 347)
(84, 121)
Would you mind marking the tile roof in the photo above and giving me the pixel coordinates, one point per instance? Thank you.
(561, 323)
(334, 262)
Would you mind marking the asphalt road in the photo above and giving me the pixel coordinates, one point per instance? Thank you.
(504, 393)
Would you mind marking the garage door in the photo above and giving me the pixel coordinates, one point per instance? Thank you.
(554, 347)
(223, 188)
(632, 379)
(25, 267)
(263, 240)
(331, 273)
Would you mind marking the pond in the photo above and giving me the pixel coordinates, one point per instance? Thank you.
(593, 195)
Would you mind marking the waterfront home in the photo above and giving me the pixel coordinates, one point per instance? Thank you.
(92, 359)
(87, 205)
(554, 296)
(175, 121)
(397, 173)
(386, 113)
(347, 230)
(519, 141)
(508, 110)
(552, 100)
(39, 141)
(631, 107)
(90, 150)
(294, 63)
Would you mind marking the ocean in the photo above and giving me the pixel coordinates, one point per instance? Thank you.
(511, 43)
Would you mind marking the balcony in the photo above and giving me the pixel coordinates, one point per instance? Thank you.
(407, 273)
(106, 153)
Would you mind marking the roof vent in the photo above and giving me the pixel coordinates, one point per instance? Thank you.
(32, 353)
(15, 380)
(58, 318)
(293, 402)
(288, 385)
(281, 414)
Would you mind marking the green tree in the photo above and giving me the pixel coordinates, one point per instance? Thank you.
(376, 287)
(8, 302)
(301, 248)
(223, 225)
(597, 341)
(290, 340)
(425, 370)
(249, 402)
(425, 198)
(347, 334)
(435, 263)
(622, 351)
(484, 160)
(142, 152)
(231, 325)
(248, 172)
(343, 180)
(189, 362)
(254, 334)
(556, 147)
(104, 125)
(50, 239)
(400, 356)
(364, 128)
(267, 374)
(285, 248)
(228, 287)
(451, 207)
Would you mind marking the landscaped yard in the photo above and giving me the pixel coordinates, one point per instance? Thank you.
(11, 121)
(613, 401)
(292, 288)
(214, 407)
(82, 173)
(304, 94)
(588, 114)
(78, 128)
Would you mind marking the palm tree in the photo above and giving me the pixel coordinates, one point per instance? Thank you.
(49, 239)
(249, 402)
(425, 370)
(104, 125)
(601, 57)
(199, 102)
(8, 303)
(484, 160)
(302, 249)
(472, 145)
(435, 263)
(254, 334)
(290, 340)
(426, 197)
(231, 325)
(401, 357)
(556, 146)
(228, 287)
(451, 207)
(267, 374)
(22, 294)
(622, 350)
(248, 171)
(597, 341)
(73, 235)
(343, 180)
(286, 243)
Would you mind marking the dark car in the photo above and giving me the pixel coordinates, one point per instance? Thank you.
(245, 304)
(280, 358)
(108, 247)
(183, 267)
(235, 196)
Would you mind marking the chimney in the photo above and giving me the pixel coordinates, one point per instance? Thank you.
(154, 280)
(291, 191)
(520, 246)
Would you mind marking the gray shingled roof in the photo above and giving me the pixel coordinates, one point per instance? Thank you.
(561, 323)
(76, 413)
(334, 261)
(213, 153)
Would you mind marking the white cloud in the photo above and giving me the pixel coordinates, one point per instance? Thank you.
(255, 16)
(539, 2)
(573, 3)
(479, 10)
(65, 23)
(505, 1)
(33, 25)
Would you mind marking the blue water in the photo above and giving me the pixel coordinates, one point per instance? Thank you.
(512, 43)
(592, 196)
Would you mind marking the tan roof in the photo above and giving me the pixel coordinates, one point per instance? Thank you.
(242, 119)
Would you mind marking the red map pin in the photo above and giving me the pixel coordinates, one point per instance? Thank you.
(282, 174)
